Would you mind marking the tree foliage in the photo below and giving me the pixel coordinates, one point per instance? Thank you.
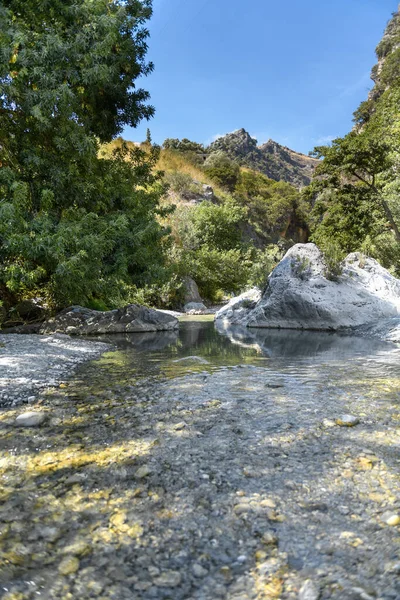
(355, 195)
(75, 226)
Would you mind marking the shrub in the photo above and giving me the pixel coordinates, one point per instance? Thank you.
(179, 182)
(222, 170)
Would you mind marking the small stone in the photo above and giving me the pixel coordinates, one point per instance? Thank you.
(309, 591)
(199, 571)
(347, 421)
(78, 548)
(268, 503)
(180, 426)
(69, 565)
(226, 573)
(393, 520)
(168, 579)
(269, 539)
(143, 472)
(328, 423)
(50, 534)
(241, 509)
(30, 419)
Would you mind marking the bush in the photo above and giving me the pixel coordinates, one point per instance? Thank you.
(222, 170)
(334, 257)
(181, 183)
(216, 270)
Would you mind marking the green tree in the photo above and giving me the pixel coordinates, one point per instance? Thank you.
(75, 225)
(355, 194)
(221, 169)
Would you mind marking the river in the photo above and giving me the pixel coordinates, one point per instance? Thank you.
(207, 464)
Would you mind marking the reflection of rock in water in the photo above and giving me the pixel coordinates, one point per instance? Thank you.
(142, 342)
(295, 343)
(190, 333)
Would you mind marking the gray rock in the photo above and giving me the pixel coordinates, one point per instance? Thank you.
(168, 579)
(77, 320)
(196, 308)
(197, 359)
(191, 291)
(199, 571)
(299, 294)
(347, 421)
(30, 419)
(239, 307)
(30, 309)
(309, 591)
(143, 471)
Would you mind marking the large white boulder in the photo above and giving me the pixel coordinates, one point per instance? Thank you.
(238, 308)
(299, 294)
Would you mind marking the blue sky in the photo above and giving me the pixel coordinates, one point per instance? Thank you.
(293, 71)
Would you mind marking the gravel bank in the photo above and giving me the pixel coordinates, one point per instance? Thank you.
(231, 483)
(31, 363)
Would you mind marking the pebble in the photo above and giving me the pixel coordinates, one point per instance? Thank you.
(347, 421)
(169, 579)
(143, 472)
(199, 571)
(309, 591)
(68, 565)
(30, 419)
(392, 520)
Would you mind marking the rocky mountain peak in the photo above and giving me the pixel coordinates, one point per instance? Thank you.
(239, 143)
(272, 159)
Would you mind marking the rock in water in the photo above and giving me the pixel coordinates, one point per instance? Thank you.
(238, 308)
(30, 419)
(77, 320)
(309, 591)
(347, 421)
(301, 294)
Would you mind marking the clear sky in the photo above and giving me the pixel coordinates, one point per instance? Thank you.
(293, 70)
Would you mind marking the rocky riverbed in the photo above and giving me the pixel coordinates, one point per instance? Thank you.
(205, 467)
(31, 363)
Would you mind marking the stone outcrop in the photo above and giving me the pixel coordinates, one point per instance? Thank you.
(272, 159)
(300, 295)
(191, 291)
(77, 320)
(196, 308)
(389, 44)
(238, 308)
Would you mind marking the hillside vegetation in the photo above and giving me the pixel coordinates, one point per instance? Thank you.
(87, 218)
(229, 225)
(356, 194)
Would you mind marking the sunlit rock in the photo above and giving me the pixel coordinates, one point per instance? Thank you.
(309, 591)
(238, 308)
(196, 308)
(347, 421)
(303, 293)
(30, 419)
(77, 320)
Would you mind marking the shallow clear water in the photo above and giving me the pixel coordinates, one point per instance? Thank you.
(300, 353)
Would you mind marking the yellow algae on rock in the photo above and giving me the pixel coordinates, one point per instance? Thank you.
(68, 565)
